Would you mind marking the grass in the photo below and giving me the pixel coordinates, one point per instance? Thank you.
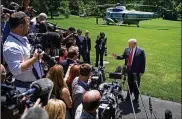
(161, 40)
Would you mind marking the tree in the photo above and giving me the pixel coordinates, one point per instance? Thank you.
(64, 8)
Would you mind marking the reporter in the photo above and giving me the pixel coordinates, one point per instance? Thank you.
(72, 73)
(60, 90)
(80, 85)
(63, 53)
(56, 109)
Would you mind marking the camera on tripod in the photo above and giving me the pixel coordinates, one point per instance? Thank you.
(98, 77)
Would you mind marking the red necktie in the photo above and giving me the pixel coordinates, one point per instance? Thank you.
(130, 59)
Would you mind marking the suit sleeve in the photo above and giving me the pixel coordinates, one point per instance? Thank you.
(143, 62)
(123, 56)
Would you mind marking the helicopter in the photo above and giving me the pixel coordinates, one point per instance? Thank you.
(119, 14)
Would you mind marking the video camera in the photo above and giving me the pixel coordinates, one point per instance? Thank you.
(11, 99)
(111, 95)
(47, 40)
(98, 77)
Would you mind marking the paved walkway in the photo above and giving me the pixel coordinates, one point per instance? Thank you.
(159, 107)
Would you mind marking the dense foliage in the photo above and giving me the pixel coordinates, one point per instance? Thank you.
(88, 7)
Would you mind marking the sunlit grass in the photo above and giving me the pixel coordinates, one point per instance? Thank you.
(161, 40)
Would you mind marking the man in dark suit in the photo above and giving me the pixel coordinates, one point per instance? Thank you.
(135, 62)
(82, 45)
(88, 44)
(100, 48)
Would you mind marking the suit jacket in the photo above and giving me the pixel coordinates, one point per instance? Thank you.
(98, 42)
(66, 63)
(88, 43)
(81, 45)
(138, 64)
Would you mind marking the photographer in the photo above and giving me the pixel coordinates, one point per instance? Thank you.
(100, 48)
(16, 51)
(38, 24)
(135, 62)
(80, 85)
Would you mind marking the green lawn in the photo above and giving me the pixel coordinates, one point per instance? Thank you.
(159, 38)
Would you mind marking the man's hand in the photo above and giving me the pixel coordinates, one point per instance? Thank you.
(38, 55)
(114, 55)
(140, 74)
(37, 103)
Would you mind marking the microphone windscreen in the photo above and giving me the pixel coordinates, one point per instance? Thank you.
(43, 86)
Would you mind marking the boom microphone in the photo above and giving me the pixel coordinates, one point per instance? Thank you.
(41, 89)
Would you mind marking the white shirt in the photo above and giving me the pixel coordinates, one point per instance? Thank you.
(15, 52)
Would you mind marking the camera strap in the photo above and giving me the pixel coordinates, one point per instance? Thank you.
(17, 39)
(35, 72)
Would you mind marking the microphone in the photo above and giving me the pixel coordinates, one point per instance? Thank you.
(150, 105)
(41, 88)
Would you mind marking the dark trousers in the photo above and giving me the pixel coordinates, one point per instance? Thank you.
(132, 85)
(99, 53)
(84, 56)
(88, 57)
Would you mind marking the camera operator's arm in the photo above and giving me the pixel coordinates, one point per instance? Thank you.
(14, 58)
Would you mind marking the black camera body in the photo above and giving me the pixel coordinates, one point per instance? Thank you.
(14, 102)
(109, 101)
(97, 77)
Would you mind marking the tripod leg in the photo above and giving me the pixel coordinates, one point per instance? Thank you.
(135, 80)
(131, 101)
